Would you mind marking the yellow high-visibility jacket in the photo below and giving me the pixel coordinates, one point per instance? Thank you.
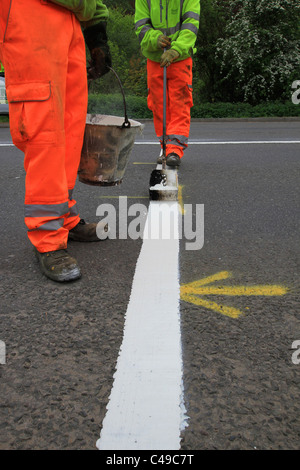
(177, 19)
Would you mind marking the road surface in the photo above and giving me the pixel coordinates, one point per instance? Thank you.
(239, 307)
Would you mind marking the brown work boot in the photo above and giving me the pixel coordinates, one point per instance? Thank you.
(59, 265)
(173, 159)
(83, 232)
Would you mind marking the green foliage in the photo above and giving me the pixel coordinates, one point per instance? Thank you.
(137, 108)
(248, 51)
(245, 110)
(206, 67)
(127, 60)
(126, 5)
(260, 54)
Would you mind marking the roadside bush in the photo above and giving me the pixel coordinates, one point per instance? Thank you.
(245, 110)
(137, 108)
(113, 105)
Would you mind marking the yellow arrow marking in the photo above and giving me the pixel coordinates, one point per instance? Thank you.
(190, 292)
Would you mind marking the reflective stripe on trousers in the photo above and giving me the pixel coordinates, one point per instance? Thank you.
(47, 93)
(179, 102)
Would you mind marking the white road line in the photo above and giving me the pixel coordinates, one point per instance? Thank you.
(145, 409)
(240, 142)
(208, 142)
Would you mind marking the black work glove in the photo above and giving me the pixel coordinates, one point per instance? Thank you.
(96, 40)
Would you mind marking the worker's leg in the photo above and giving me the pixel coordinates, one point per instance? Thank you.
(75, 116)
(36, 74)
(179, 106)
(155, 95)
(179, 102)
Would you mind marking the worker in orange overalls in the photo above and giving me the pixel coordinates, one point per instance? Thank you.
(167, 31)
(42, 49)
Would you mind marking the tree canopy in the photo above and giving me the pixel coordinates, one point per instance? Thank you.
(247, 51)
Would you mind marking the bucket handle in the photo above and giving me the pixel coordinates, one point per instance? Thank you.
(126, 123)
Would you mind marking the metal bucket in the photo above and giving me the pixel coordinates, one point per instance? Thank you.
(108, 141)
(106, 149)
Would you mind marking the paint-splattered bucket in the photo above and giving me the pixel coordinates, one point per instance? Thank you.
(108, 141)
(106, 149)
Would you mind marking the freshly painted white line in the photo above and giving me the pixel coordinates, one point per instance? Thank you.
(6, 145)
(240, 142)
(145, 409)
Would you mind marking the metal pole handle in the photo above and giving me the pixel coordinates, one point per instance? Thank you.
(164, 116)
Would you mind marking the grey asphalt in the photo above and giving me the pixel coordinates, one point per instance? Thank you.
(242, 388)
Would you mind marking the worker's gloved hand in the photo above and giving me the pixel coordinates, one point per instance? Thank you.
(168, 57)
(96, 40)
(163, 42)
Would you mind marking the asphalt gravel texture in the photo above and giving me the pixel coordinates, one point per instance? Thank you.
(241, 387)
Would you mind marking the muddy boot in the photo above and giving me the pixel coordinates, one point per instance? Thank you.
(173, 159)
(59, 266)
(84, 232)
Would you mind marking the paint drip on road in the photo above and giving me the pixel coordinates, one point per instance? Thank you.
(146, 408)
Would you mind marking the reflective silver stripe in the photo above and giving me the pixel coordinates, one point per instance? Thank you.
(143, 32)
(175, 139)
(191, 27)
(174, 29)
(169, 31)
(177, 144)
(182, 139)
(142, 22)
(73, 211)
(149, 4)
(53, 225)
(191, 14)
(46, 210)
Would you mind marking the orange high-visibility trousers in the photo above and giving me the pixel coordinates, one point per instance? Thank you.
(43, 52)
(179, 102)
